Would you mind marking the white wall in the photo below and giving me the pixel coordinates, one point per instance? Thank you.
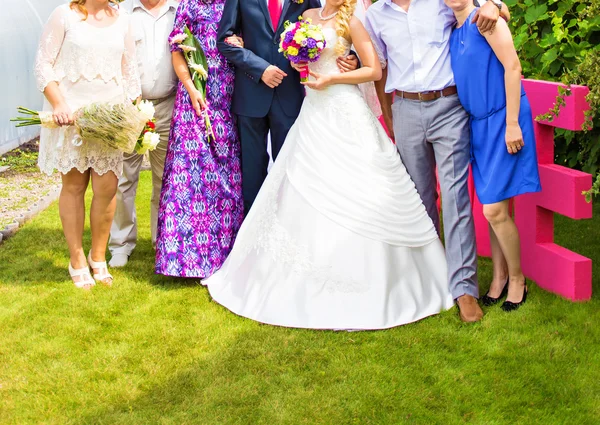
(21, 23)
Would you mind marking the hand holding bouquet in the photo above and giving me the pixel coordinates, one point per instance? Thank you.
(195, 57)
(116, 125)
(302, 42)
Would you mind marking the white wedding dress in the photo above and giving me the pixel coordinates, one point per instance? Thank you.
(338, 237)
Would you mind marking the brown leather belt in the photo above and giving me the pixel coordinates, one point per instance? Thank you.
(427, 96)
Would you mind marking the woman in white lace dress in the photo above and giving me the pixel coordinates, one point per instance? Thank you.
(338, 237)
(86, 55)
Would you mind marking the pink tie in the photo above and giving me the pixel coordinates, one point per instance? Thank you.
(275, 12)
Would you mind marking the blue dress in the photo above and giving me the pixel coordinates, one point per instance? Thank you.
(479, 78)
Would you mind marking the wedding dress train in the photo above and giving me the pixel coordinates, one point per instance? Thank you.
(338, 237)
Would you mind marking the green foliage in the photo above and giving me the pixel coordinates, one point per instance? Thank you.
(560, 41)
(594, 191)
(20, 161)
(561, 100)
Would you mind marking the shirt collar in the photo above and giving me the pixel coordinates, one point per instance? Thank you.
(391, 4)
(171, 3)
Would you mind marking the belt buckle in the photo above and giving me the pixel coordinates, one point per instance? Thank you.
(420, 96)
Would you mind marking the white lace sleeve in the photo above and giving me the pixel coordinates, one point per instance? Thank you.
(131, 75)
(377, 42)
(49, 48)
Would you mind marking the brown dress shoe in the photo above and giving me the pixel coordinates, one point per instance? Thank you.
(469, 309)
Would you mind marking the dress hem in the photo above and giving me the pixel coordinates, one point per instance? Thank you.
(181, 276)
(523, 190)
(62, 171)
(331, 328)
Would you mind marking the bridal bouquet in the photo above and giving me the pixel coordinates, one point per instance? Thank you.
(302, 42)
(195, 57)
(123, 126)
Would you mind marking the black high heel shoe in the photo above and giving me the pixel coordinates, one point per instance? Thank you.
(488, 301)
(510, 306)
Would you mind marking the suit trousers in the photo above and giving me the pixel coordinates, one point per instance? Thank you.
(255, 158)
(436, 133)
(123, 232)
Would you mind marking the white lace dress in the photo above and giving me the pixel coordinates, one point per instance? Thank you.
(89, 64)
(338, 237)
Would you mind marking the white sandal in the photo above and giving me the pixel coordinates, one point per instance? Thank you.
(85, 278)
(104, 275)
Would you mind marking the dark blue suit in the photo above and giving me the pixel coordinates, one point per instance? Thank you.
(258, 107)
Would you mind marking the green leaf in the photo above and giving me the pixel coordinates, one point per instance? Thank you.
(559, 33)
(198, 56)
(536, 13)
(548, 40)
(550, 55)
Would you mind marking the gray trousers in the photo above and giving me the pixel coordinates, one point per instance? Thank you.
(437, 133)
(123, 232)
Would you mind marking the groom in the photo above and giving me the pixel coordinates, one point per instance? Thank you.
(267, 94)
(430, 126)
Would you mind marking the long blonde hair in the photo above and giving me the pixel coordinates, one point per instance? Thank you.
(80, 6)
(342, 26)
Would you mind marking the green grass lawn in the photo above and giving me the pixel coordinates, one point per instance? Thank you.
(154, 350)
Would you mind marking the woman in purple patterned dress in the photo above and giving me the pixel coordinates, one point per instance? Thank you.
(201, 206)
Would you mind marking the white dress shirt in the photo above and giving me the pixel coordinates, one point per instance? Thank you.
(414, 45)
(152, 47)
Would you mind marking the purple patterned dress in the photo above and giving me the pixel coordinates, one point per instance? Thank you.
(201, 205)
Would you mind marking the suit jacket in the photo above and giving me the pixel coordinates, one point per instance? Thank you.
(251, 20)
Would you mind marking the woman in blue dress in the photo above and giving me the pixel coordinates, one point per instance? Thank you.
(487, 73)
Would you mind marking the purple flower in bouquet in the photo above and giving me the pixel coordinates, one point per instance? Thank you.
(311, 43)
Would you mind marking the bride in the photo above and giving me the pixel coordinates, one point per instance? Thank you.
(338, 237)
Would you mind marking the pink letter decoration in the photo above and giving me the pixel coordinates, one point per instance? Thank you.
(551, 266)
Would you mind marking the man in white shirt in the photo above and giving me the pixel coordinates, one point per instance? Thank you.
(152, 22)
(430, 126)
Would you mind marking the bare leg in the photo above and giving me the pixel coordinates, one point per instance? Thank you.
(500, 266)
(102, 213)
(71, 207)
(508, 238)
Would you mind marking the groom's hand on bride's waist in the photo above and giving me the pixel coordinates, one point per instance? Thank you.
(273, 76)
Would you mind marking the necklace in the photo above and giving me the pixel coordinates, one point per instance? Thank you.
(326, 18)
